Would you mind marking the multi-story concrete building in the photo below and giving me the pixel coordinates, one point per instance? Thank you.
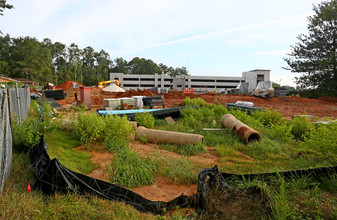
(198, 83)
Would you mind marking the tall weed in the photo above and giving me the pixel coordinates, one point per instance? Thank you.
(187, 150)
(195, 102)
(129, 169)
(145, 119)
(323, 140)
(192, 117)
(88, 127)
(301, 127)
(268, 117)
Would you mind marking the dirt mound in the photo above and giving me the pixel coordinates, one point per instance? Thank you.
(67, 84)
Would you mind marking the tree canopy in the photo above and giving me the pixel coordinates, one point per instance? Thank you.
(45, 61)
(315, 54)
(4, 5)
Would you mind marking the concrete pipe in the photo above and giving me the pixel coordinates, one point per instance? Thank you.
(246, 133)
(168, 137)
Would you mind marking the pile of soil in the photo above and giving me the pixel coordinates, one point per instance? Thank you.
(67, 84)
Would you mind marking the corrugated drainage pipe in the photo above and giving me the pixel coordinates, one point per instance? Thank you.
(168, 137)
(245, 132)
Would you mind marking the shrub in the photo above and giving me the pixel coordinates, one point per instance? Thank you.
(208, 114)
(268, 117)
(219, 111)
(117, 127)
(131, 170)
(301, 127)
(145, 119)
(195, 102)
(27, 134)
(192, 117)
(323, 140)
(89, 127)
(143, 139)
(280, 132)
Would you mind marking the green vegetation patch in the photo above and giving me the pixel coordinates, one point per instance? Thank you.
(177, 170)
(187, 150)
(145, 119)
(129, 169)
(61, 145)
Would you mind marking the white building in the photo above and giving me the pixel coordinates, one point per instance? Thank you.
(198, 83)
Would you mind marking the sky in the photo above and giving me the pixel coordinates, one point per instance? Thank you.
(209, 38)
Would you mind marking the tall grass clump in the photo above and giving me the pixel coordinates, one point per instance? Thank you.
(279, 200)
(177, 170)
(129, 169)
(145, 119)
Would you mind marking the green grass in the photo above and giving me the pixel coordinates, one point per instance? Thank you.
(177, 170)
(129, 169)
(17, 203)
(61, 145)
(187, 150)
(285, 145)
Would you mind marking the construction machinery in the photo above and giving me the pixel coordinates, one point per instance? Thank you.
(104, 84)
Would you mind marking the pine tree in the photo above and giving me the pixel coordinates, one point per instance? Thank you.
(315, 54)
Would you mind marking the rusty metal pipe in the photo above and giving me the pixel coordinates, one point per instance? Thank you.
(168, 137)
(245, 132)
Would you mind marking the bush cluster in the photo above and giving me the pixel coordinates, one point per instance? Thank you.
(112, 130)
(145, 119)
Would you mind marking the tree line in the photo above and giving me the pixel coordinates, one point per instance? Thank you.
(45, 61)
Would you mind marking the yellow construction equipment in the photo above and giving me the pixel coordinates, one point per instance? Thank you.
(104, 84)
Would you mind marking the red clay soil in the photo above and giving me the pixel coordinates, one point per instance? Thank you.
(161, 190)
(288, 106)
(67, 84)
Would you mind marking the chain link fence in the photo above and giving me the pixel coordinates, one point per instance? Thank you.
(14, 104)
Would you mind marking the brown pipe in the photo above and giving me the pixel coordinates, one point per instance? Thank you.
(245, 132)
(168, 137)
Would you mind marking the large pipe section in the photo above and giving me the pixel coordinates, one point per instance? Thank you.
(245, 132)
(168, 137)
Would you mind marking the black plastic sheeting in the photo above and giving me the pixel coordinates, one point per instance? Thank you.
(52, 177)
(54, 94)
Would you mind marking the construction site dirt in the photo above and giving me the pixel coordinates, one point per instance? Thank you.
(288, 106)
